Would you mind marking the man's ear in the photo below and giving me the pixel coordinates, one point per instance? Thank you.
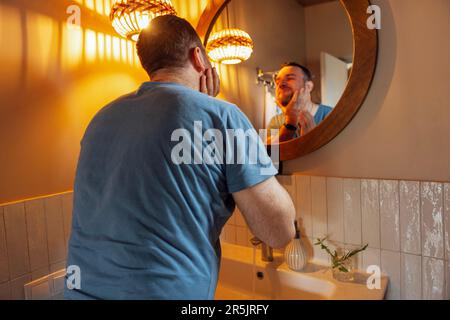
(309, 85)
(198, 60)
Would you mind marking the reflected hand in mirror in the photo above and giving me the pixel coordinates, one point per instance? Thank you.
(300, 115)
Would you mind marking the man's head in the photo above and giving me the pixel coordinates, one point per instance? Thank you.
(171, 44)
(292, 77)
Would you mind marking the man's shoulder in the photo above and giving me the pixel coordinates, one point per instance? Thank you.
(325, 109)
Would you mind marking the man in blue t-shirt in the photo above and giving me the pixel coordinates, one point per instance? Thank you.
(157, 179)
(293, 95)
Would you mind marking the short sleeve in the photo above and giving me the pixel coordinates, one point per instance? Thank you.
(247, 160)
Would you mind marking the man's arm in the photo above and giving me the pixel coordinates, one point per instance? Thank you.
(269, 212)
(284, 134)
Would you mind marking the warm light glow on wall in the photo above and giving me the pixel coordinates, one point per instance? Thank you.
(101, 46)
(72, 46)
(191, 10)
(90, 4)
(130, 52)
(90, 46)
(99, 7)
(123, 50)
(107, 7)
(108, 49)
(116, 48)
(12, 49)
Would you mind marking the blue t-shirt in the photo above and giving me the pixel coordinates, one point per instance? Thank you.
(145, 226)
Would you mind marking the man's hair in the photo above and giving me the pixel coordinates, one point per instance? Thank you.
(308, 75)
(166, 43)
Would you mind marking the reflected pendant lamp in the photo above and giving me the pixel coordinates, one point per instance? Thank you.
(129, 17)
(230, 46)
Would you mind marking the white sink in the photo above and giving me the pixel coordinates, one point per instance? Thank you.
(241, 279)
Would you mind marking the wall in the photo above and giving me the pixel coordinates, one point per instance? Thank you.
(327, 29)
(405, 223)
(277, 29)
(33, 241)
(400, 131)
(54, 79)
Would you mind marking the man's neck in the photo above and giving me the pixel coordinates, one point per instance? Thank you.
(176, 76)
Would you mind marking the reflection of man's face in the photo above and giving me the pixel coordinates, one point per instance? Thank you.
(287, 81)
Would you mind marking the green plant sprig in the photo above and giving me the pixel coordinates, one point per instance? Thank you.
(338, 262)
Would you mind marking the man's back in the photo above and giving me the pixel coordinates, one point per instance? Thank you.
(145, 227)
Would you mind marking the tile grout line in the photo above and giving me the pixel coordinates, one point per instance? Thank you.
(421, 239)
(46, 231)
(8, 281)
(399, 236)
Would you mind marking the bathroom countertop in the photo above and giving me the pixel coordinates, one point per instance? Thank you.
(314, 272)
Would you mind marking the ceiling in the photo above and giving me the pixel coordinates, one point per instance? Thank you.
(307, 3)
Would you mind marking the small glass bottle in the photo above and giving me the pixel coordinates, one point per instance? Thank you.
(295, 254)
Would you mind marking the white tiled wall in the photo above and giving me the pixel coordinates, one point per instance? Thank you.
(405, 223)
(33, 241)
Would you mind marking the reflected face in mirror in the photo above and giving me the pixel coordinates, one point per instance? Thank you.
(289, 80)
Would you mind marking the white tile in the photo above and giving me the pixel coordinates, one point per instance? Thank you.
(240, 221)
(410, 225)
(67, 208)
(433, 279)
(358, 258)
(241, 236)
(411, 271)
(319, 206)
(4, 268)
(304, 214)
(5, 291)
(390, 215)
(230, 234)
(16, 240)
(370, 210)
(42, 272)
(250, 236)
(335, 206)
(17, 287)
(55, 229)
(318, 255)
(371, 257)
(37, 234)
(288, 182)
(447, 220)
(58, 266)
(41, 291)
(352, 211)
(432, 220)
(447, 279)
(232, 220)
(390, 265)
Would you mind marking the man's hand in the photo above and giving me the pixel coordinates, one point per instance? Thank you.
(210, 82)
(294, 108)
(307, 122)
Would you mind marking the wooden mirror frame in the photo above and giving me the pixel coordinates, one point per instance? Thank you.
(365, 51)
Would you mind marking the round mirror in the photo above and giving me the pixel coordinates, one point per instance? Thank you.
(322, 49)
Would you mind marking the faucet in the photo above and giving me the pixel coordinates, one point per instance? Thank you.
(266, 251)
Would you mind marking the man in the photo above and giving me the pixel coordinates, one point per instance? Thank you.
(293, 95)
(144, 225)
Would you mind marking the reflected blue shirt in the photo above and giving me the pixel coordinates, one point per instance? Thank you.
(144, 227)
(278, 121)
